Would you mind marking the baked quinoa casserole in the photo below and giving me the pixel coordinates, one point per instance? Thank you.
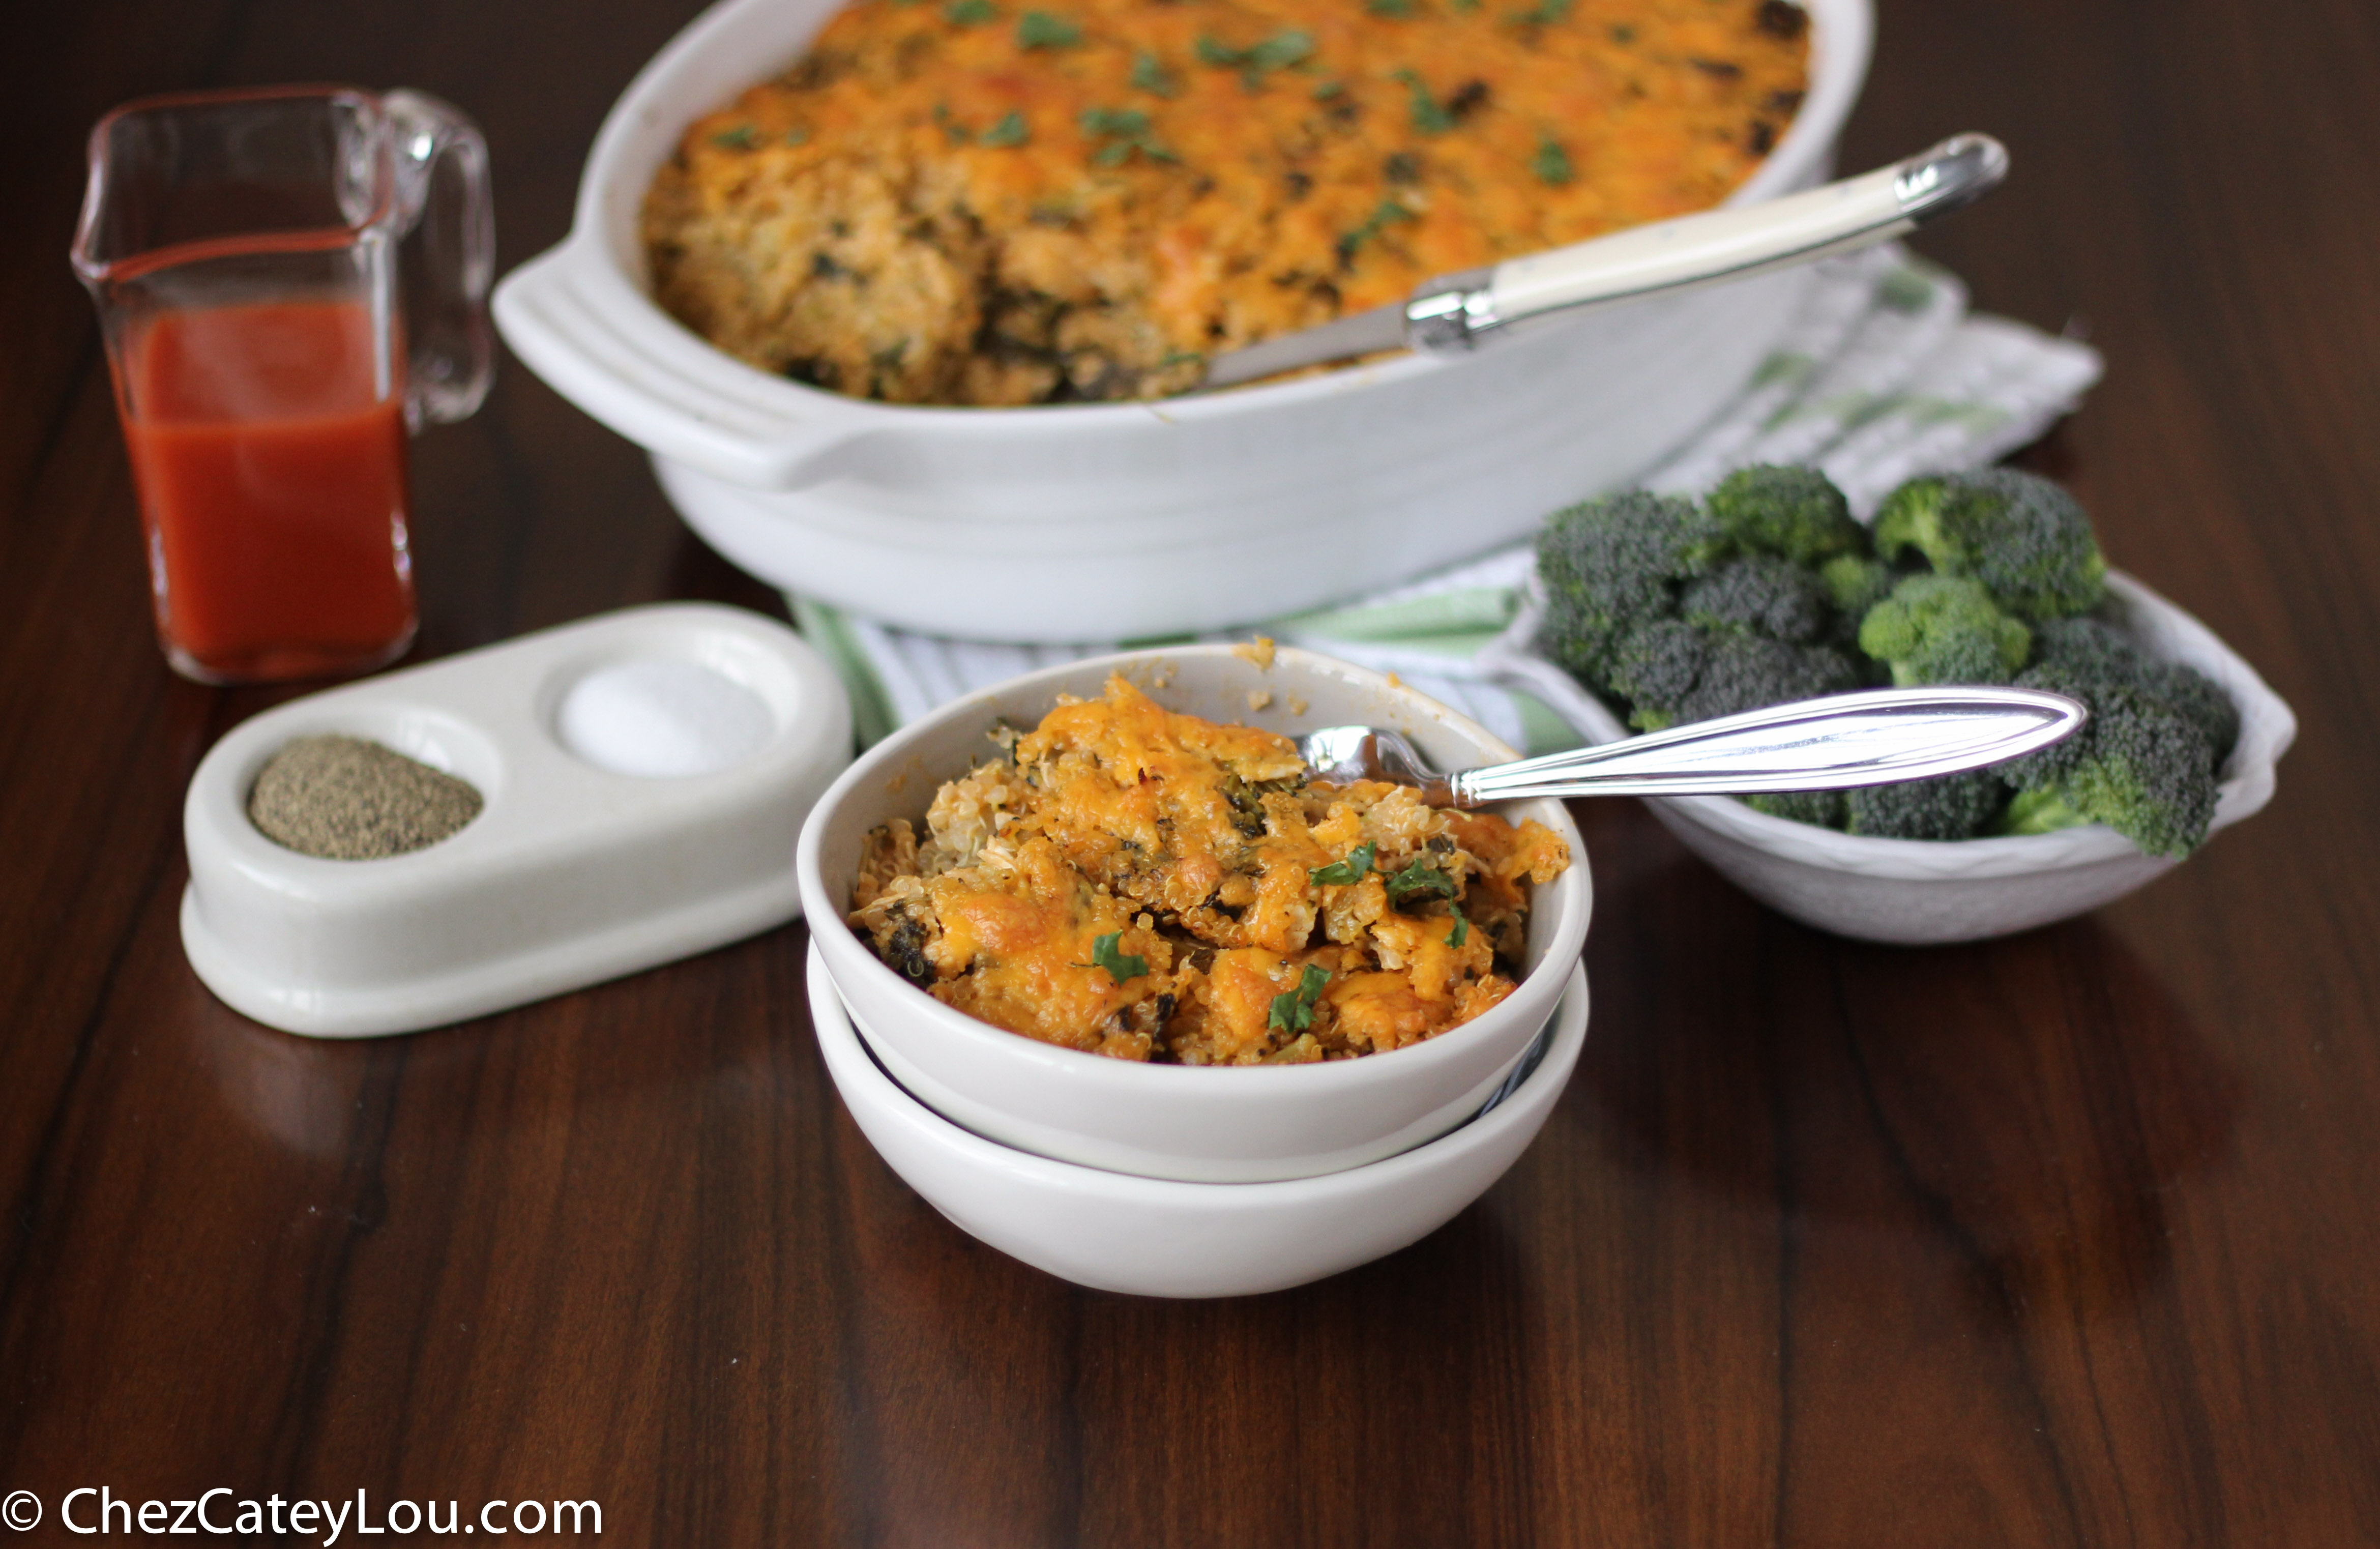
(1149, 885)
(991, 203)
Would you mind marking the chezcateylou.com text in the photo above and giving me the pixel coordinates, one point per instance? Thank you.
(97, 1509)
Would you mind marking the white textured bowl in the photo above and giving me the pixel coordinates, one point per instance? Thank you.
(1910, 891)
(1107, 521)
(1152, 1237)
(1237, 1124)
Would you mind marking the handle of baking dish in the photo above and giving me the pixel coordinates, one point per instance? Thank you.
(575, 322)
(1710, 249)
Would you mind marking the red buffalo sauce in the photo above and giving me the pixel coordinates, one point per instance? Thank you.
(269, 448)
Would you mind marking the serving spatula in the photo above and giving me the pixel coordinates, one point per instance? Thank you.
(1455, 312)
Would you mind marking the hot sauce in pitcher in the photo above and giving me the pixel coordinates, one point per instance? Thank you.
(270, 463)
(290, 280)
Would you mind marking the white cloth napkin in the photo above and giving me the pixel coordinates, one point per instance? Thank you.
(1883, 376)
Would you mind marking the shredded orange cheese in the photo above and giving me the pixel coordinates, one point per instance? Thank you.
(988, 202)
(1146, 885)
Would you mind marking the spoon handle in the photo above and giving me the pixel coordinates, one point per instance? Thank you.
(1868, 738)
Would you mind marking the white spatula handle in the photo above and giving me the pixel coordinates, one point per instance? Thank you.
(1451, 312)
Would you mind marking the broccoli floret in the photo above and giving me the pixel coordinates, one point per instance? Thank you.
(2149, 775)
(2091, 646)
(1611, 564)
(1657, 665)
(1949, 807)
(2201, 699)
(1671, 673)
(1856, 583)
(1823, 808)
(2024, 537)
(2095, 647)
(1760, 593)
(1795, 512)
(2038, 812)
(2147, 764)
(1944, 629)
(1748, 672)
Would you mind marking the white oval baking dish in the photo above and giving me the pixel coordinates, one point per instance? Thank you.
(1105, 522)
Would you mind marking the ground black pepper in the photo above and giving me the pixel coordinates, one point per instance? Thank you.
(346, 798)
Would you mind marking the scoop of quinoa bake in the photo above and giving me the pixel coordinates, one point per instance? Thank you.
(977, 201)
(1149, 886)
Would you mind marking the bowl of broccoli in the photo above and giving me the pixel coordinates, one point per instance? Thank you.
(1650, 610)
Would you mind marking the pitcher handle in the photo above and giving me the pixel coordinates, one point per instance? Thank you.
(448, 257)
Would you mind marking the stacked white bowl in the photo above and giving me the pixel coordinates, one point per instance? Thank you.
(1174, 1180)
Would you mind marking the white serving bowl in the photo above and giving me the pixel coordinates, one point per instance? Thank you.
(1107, 521)
(1237, 1124)
(1914, 892)
(1155, 1236)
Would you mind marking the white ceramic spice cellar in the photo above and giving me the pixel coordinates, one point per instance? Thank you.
(644, 777)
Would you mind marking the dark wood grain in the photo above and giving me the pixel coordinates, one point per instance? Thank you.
(2063, 1239)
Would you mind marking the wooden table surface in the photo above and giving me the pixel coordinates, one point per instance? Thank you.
(2063, 1239)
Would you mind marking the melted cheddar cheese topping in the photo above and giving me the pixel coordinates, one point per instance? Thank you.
(1015, 202)
(1146, 885)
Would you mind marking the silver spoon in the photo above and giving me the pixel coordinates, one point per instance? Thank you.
(1873, 738)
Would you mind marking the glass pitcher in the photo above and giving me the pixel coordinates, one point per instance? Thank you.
(290, 281)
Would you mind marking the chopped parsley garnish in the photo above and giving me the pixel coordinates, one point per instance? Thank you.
(1430, 115)
(1420, 880)
(1395, 9)
(1623, 33)
(1126, 130)
(1544, 13)
(1181, 358)
(1293, 1010)
(1047, 30)
(1150, 75)
(1283, 49)
(1354, 868)
(1462, 931)
(952, 130)
(1385, 215)
(797, 136)
(970, 13)
(1009, 130)
(1551, 164)
(1324, 91)
(1121, 965)
(742, 136)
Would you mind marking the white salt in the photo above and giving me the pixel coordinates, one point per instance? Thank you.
(663, 720)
